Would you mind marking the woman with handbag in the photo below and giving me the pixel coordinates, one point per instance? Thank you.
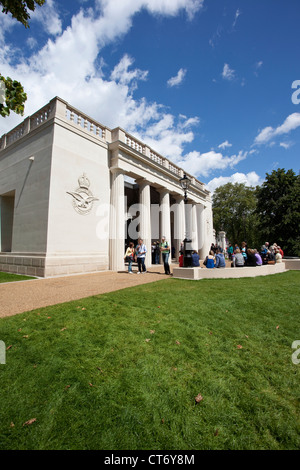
(129, 256)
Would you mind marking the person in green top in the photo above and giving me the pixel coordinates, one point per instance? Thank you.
(165, 251)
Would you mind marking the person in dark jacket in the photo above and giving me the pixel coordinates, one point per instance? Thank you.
(195, 259)
(220, 260)
(251, 259)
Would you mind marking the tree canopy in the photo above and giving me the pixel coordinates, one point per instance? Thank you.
(234, 212)
(270, 212)
(278, 208)
(13, 96)
(19, 9)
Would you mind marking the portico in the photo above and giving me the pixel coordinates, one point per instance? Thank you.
(67, 205)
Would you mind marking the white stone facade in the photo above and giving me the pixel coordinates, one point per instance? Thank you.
(64, 203)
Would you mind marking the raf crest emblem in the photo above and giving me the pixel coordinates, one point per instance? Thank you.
(82, 197)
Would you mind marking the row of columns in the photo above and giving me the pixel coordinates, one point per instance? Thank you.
(191, 223)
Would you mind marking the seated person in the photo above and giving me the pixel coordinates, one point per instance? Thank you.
(220, 260)
(270, 258)
(259, 261)
(278, 256)
(238, 259)
(195, 259)
(263, 254)
(209, 261)
(251, 260)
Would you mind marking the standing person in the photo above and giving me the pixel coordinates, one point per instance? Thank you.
(129, 256)
(230, 251)
(165, 251)
(157, 252)
(153, 246)
(244, 250)
(141, 251)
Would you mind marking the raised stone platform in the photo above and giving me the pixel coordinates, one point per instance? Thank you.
(228, 273)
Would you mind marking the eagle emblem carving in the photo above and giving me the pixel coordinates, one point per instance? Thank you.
(83, 198)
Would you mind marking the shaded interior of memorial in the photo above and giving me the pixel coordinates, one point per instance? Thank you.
(132, 225)
(7, 204)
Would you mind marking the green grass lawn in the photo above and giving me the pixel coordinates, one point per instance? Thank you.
(122, 370)
(9, 277)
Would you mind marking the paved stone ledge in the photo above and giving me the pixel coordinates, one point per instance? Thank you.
(292, 263)
(228, 273)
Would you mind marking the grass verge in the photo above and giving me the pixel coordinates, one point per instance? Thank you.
(122, 370)
(9, 277)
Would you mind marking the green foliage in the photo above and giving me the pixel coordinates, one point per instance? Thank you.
(234, 212)
(14, 97)
(114, 371)
(270, 212)
(19, 9)
(279, 209)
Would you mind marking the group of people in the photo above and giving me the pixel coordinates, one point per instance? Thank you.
(244, 256)
(138, 254)
(238, 255)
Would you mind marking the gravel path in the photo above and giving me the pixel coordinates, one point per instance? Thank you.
(23, 296)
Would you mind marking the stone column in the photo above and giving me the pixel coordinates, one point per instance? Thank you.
(117, 221)
(194, 234)
(222, 236)
(145, 218)
(208, 228)
(165, 226)
(179, 223)
(200, 222)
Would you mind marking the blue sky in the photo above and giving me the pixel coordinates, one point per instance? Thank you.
(206, 83)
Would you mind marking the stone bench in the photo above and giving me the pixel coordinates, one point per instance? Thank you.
(228, 273)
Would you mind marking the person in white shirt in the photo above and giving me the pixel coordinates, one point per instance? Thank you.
(141, 251)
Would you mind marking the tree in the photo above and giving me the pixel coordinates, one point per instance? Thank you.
(13, 95)
(279, 210)
(234, 212)
(19, 9)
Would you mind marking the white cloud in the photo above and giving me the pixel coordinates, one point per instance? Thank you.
(237, 15)
(286, 145)
(168, 137)
(268, 133)
(70, 65)
(228, 73)
(124, 76)
(203, 164)
(48, 16)
(250, 179)
(224, 145)
(174, 81)
(257, 66)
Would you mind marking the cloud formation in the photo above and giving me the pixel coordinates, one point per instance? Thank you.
(71, 63)
(228, 73)
(203, 164)
(268, 133)
(249, 179)
(177, 80)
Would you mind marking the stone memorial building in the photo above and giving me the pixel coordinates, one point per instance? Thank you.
(73, 193)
